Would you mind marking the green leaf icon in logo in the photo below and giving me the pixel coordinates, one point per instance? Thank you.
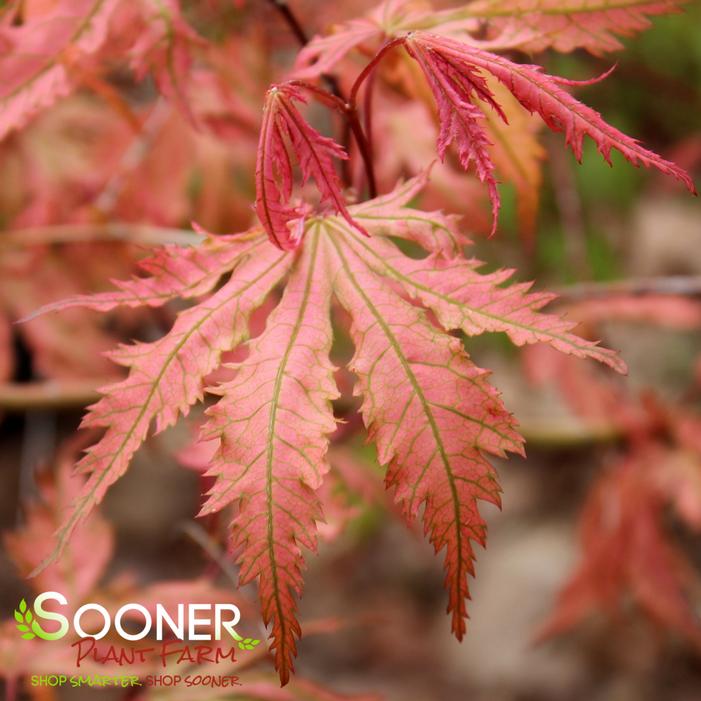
(248, 643)
(24, 617)
(245, 643)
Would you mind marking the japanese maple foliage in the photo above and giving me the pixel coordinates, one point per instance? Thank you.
(400, 273)
(653, 479)
(428, 407)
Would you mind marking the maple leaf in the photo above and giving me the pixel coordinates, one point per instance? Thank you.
(392, 18)
(35, 74)
(324, 52)
(315, 155)
(427, 406)
(453, 68)
(565, 25)
(454, 84)
(83, 562)
(517, 155)
(164, 48)
(453, 287)
(165, 376)
(457, 73)
(273, 424)
(173, 272)
(432, 415)
(626, 551)
(528, 25)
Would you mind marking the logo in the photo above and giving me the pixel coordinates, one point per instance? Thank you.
(200, 622)
(27, 625)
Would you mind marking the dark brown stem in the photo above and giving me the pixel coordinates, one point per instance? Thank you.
(367, 112)
(346, 172)
(364, 148)
(364, 139)
(292, 22)
(301, 35)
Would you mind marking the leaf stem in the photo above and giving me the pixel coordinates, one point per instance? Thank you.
(353, 123)
(367, 112)
(367, 71)
(363, 147)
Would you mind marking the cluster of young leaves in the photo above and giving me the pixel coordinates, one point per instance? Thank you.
(431, 412)
(492, 26)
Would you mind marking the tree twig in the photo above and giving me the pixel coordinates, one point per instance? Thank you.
(49, 394)
(200, 536)
(112, 231)
(291, 19)
(683, 285)
(132, 158)
(302, 37)
(364, 148)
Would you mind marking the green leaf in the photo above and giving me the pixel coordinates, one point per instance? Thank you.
(23, 606)
(18, 617)
(28, 616)
(29, 636)
(22, 628)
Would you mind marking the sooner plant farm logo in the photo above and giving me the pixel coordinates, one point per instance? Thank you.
(203, 622)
